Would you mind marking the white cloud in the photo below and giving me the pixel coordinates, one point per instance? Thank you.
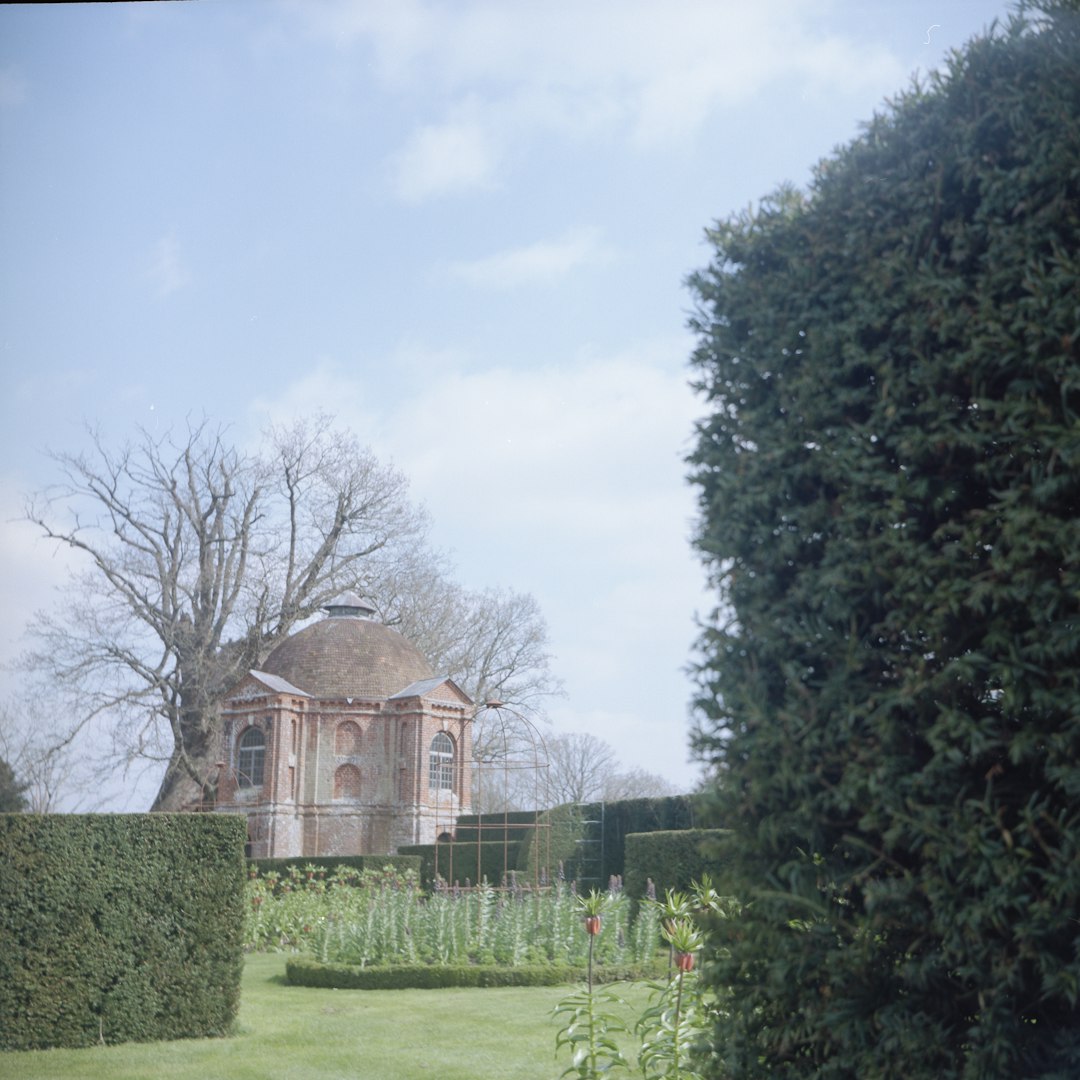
(167, 270)
(544, 261)
(644, 72)
(444, 159)
(335, 388)
(566, 482)
(590, 450)
(326, 383)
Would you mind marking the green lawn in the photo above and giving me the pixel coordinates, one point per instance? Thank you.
(295, 1033)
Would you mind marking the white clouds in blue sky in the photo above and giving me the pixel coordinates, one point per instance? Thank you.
(462, 227)
(166, 269)
(536, 263)
(445, 159)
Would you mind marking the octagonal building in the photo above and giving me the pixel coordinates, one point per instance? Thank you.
(345, 742)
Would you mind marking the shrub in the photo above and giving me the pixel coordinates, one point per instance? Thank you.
(304, 971)
(503, 826)
(889, 477)
(673, 860)
(457, 862)
(588, 840)
(119, 927)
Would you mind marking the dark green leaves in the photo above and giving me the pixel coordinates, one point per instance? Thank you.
(890, 509)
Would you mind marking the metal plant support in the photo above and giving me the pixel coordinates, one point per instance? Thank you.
(508, 771)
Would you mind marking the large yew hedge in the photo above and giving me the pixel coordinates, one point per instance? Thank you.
(463, 861)
(119, 928)
(588, 840)
(889, 480)
(675, 860)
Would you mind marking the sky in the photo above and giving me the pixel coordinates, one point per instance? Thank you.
(462, 228)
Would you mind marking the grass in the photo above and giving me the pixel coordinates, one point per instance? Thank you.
(296, 1033)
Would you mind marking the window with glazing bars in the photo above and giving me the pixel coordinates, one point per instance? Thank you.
(251, 758)
(441, 775)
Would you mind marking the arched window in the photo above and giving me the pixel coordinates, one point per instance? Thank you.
(347, 739)
(441, 773)
(252, 758)
(347, 782)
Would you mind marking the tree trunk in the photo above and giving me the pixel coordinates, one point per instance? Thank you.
(199, 752)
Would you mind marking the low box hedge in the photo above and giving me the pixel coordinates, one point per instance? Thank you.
(305, 971)
(119, 927)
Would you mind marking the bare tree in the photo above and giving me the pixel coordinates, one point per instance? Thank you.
(198, 558)
(53, 774)
(493, 642)
(579, 765)
(510, 761)
(636, 784)
(584, 768)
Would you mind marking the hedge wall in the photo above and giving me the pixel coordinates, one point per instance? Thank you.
(589, 839)
(674, 859)
(457, 862)
(330, 863)
(119, 928)
(508, 825)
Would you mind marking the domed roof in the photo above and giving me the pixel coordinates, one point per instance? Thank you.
(348, 656)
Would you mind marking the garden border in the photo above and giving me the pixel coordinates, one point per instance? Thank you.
(306, 971)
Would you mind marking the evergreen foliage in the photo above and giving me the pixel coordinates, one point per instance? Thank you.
(304, 971)
(464, 862)
(119, 927)
(675, 859)
(889, 480)
(505, 826)
(12, 799)
(588, 840)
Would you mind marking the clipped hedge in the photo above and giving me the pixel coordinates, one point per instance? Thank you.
(304, 971)
(330, 863)
(589, 839)
(456, 862)
(509, 825)
(673, 859)
(119, 928)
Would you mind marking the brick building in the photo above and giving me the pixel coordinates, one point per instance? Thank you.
(345, 743)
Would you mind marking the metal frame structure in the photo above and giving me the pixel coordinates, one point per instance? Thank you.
(509, 766)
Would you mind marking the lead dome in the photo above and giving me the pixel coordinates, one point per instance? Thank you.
(348, 654)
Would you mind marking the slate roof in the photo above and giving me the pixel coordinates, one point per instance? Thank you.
(425, 686)
(420, 688)
(278, 685)
(348, 657)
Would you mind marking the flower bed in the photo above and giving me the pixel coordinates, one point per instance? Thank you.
(383, 918)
